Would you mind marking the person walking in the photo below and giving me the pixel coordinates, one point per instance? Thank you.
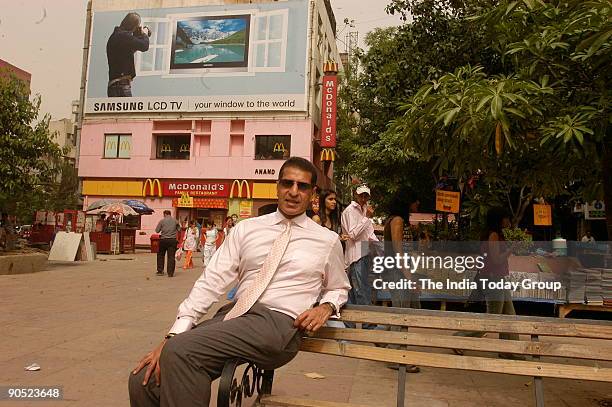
(210, 245)
(357, 226)
(168, 227)
(499, 301)
(394, 237)
(190, 244)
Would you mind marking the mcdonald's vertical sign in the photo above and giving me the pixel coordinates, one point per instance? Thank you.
(328, 105)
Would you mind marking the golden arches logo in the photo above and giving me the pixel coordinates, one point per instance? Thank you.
(165, 148)
(279, 147)
(184, 148)
(125, 145)
(151, 184)
(241, 184)
(330, 67)
(328, 154)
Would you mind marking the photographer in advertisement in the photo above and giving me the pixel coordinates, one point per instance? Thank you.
(123, 43)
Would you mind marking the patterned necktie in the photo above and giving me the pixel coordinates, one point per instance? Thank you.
(263, 278)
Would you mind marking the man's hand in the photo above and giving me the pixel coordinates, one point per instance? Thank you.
(369, 211)
(152, 360)
(313, 319)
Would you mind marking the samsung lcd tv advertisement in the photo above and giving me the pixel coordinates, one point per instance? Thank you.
(215, 58)
(215, 42)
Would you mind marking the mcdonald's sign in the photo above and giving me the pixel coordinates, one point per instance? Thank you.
(165, 148)
(279, 147)
(330, 67)
(328, 154)
(149, 183)
(328, 110)
(241, 184)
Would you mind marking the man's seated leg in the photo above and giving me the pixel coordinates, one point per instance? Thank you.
(191, 360)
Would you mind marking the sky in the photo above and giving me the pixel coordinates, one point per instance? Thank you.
(45, 38)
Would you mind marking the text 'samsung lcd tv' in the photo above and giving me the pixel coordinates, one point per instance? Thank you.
(218, 43)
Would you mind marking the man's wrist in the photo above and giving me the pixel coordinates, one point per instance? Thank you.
(332, 307)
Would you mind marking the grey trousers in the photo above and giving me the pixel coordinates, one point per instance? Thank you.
(190, 361)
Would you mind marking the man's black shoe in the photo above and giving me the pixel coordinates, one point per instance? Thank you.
(159, 273)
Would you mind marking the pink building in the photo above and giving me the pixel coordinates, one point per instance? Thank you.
(210, 120)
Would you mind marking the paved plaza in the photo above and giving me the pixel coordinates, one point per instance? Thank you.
(87, 325)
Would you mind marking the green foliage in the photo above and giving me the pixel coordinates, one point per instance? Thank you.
(29, 160)
(397, 62)
(523, 241)
(533, 130)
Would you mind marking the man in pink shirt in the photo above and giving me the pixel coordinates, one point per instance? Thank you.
(357, 225)
(284, 263)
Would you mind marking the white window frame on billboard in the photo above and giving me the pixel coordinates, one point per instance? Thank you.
(154, 46)
(256, 17)
(266, 42)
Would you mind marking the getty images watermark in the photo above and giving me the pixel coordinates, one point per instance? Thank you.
(571, 272)
(459, 264)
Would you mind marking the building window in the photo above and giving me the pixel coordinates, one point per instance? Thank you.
(153, 61)
(117, 145)
(272, 147)
(270, 44)
(173, 147)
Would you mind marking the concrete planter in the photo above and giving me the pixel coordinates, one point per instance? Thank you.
(22, 263)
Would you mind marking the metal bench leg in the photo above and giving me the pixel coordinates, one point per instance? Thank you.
(232, 390)
(267, 379)
(538, 384)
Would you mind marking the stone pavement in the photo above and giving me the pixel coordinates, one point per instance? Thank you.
(87, 324)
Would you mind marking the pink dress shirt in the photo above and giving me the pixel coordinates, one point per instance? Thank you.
(311, 270)
(360, 229)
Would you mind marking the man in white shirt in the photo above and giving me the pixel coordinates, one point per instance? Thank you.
(284, 263)
(357, 225)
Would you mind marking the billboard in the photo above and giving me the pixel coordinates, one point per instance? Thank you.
(219, 58)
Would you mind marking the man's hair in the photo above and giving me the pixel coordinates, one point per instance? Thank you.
(301, 164)
(167, 212)
(130, 21)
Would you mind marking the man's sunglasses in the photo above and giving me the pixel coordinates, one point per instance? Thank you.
(287, 184)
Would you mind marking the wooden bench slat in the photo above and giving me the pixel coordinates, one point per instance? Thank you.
(481, 364)
(567, 350)
(474, 322)
(297, 402)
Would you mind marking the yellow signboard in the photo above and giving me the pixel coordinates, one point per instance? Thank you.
(542, 215)
(185, 201)
(447, 201)
(246, 208)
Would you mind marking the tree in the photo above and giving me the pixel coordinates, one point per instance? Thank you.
(29, 159)
(397, 62)
(550, 107)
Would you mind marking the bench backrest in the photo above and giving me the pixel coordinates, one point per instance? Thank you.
(599, 348)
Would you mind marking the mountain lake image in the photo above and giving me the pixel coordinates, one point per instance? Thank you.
(210, 40)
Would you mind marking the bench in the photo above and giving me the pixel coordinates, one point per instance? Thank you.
(356, 343)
